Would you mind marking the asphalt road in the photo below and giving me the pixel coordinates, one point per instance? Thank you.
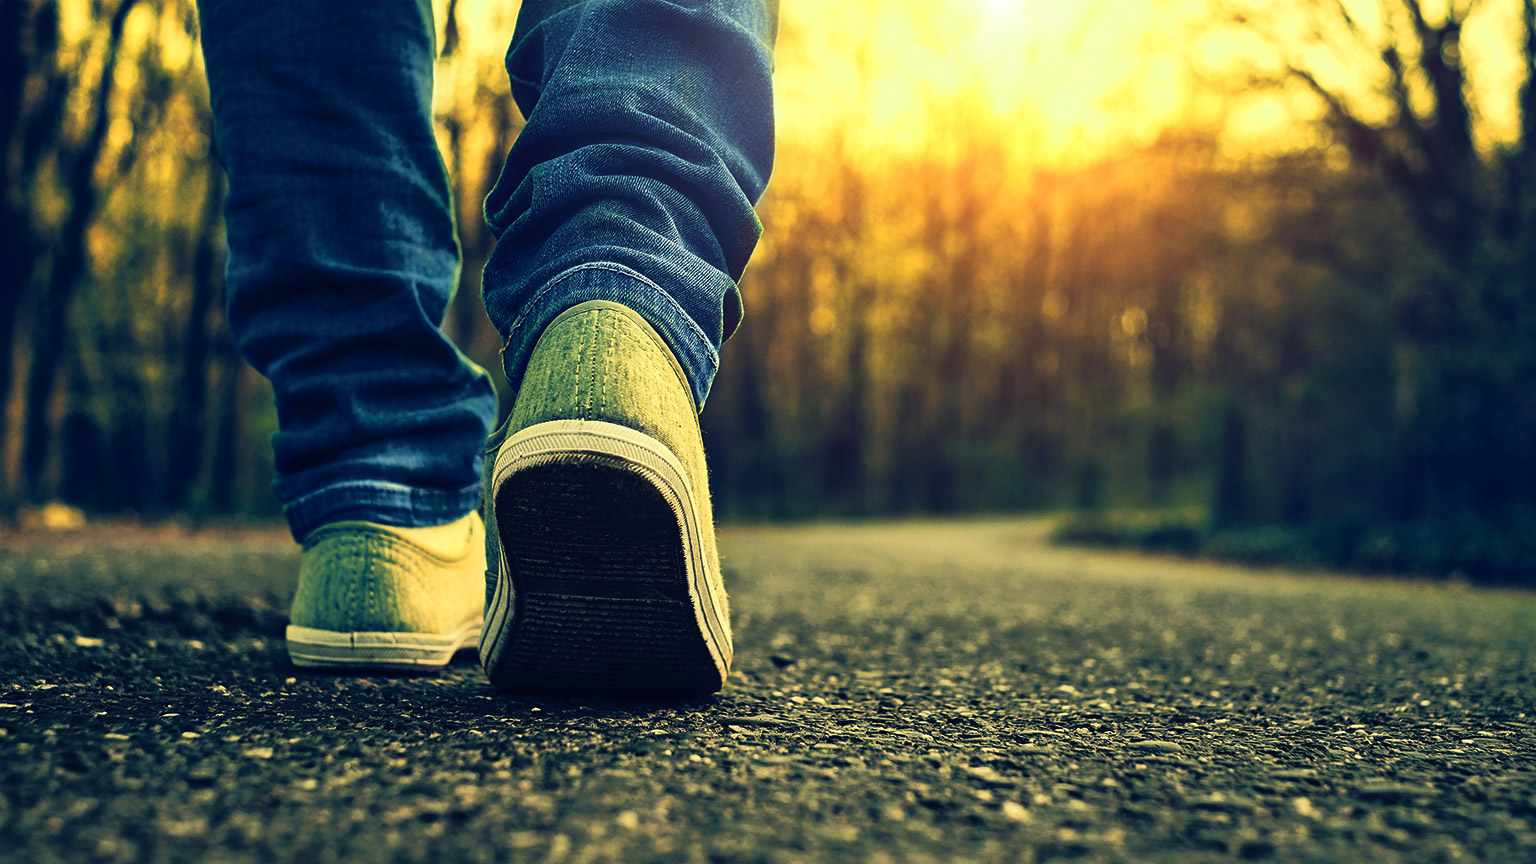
(903, 692)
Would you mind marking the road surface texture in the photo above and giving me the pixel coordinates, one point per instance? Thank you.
(903, 692)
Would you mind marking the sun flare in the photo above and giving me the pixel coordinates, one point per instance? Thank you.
(1070, 81)
(1003, 7)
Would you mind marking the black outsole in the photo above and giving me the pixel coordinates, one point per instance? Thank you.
(596, 559)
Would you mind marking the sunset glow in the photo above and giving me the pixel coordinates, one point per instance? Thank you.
(1067, 81)
(1076, 80)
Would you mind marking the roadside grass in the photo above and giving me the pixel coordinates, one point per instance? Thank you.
(1501, 551)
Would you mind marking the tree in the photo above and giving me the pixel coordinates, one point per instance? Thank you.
(1463, 327)
(68, 263)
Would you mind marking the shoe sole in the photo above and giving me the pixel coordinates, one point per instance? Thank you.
(310, 647)
(602, 587)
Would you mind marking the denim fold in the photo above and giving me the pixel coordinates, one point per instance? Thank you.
(649, 140)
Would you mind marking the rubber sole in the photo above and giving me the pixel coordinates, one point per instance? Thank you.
(310, 647)
(602, 587)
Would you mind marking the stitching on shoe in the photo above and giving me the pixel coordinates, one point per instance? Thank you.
(588, 365)
(577, 360)
(647, 337)
(369, 580)
(602, 393)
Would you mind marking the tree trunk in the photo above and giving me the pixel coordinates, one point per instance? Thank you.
(1165, 337)
(1295, 400)
(844, 441)
(69, 265)
(1409, 480)
(843, 451)
(189, 416)
(16, 255)
(10, 300)
(87, 477)
(228, 435)
(1518, 218)
(1231, 504)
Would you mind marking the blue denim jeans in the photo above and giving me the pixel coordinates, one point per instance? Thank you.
(649, 139)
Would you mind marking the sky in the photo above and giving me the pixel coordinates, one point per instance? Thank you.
(1073, 79)
(1066, 81)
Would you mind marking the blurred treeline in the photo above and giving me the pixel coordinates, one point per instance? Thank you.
(1335, 341)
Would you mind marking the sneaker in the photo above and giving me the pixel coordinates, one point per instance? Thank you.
(373, 596)
(605, 579)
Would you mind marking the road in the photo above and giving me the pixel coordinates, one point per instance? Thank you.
(921, 691)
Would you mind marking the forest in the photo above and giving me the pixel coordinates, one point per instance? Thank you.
(1308, 337)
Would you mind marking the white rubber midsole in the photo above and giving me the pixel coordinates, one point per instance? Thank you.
(310, 646)
(597, 441)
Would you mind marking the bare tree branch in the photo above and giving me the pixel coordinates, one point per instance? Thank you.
(1528, 88)
(1416, 14)
(1465, 10)
(1364, 141)
(1405, 119)
(1348, 19)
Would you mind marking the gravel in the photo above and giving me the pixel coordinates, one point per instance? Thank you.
(903, 692)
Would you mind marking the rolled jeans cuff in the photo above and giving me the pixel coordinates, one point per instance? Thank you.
(694, 350)
(381, 502)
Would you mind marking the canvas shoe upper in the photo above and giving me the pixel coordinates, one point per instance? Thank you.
(370, 596)
(604, 575)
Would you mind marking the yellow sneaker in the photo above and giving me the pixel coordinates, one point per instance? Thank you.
(605, 577)
(374, 596)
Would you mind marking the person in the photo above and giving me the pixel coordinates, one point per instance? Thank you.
(624, 218)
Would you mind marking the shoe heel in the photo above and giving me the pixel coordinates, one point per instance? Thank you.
(604, 598)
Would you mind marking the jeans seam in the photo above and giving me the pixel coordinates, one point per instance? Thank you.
(712, 355)
(526, 82)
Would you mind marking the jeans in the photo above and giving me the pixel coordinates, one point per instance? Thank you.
(649, 140)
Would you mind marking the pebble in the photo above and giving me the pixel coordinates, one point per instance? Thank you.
(757, 720)
(1224, 803)
(987, 774)
(1156, 747)
(1015, 812)
(1293, 774)
(1387, 791)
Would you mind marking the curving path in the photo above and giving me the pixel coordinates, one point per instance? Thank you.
(904, 692)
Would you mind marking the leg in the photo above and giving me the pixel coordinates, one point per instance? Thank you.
(649, 140)
(342, 261)
(342, 256)
(624, 217)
